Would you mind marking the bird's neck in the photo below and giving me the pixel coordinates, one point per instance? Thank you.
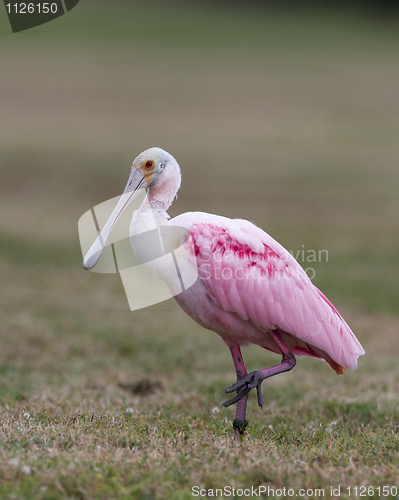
(153, 211)
(151, 215)
(161, 196)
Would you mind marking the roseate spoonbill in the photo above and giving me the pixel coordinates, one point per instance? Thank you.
(249, 288)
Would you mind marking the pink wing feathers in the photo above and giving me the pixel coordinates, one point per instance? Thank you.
(246, 272)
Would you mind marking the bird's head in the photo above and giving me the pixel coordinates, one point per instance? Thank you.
(155, 170)
(149, 165)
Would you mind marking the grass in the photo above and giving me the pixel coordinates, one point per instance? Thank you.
(67, 421)
(288, 119)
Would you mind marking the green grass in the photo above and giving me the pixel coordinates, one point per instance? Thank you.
(288, 119)
(65, 416)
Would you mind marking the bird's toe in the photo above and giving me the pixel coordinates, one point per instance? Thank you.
(259, 394)
(246, 381)
(237, 397)
(244, 386)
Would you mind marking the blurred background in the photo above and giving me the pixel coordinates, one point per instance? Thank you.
(283, 113)
(286, 116)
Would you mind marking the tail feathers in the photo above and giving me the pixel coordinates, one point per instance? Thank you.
(335, 366)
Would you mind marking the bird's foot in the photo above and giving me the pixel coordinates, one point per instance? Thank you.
(244, 386)
(240, 425)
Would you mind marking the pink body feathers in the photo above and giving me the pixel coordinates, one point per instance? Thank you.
(249, 285)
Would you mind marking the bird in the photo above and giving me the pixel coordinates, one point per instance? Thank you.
(249, 289)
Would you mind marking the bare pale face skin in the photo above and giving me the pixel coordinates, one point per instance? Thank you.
(150, 164)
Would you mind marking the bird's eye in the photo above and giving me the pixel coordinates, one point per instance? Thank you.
(149, 164)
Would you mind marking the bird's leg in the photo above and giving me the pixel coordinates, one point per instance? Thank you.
(254, 379)
(239, 422)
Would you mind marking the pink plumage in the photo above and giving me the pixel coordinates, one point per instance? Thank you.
(249, 285)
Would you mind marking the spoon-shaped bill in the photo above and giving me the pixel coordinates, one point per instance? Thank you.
(133, 186)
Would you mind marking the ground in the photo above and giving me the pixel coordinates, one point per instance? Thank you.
(288, 120)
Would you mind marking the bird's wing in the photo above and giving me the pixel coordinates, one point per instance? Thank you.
(249, 273)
